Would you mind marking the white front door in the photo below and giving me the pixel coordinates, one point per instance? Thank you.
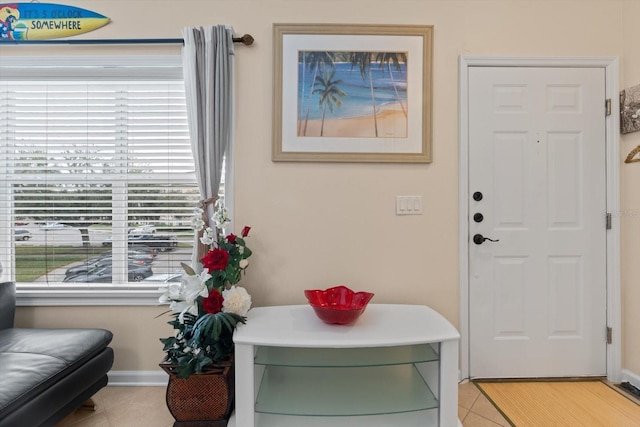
(537, 184)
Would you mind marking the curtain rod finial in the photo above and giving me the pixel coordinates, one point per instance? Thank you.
(246, 39)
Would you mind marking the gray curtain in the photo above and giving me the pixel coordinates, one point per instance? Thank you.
(208, 74)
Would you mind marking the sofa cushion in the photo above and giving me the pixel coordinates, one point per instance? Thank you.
(63, 397)
(71, 345)
(31, 360)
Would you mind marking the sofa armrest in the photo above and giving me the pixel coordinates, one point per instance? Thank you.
(7, 304)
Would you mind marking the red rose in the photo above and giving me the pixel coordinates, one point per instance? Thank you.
(245, 231)
(215, 259)
(213, 303)
(231, 238)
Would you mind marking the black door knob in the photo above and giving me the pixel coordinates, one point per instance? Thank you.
(479, 239)
(478, 217)
(477, 196)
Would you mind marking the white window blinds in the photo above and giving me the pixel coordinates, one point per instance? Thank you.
(97, 183)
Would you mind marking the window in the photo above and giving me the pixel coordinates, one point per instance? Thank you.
(97, 182)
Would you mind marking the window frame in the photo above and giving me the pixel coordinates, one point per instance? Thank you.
(154, 66)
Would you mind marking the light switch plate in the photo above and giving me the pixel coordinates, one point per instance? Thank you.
(408, 205)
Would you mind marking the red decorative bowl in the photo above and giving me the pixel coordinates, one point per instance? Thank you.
(338, 305)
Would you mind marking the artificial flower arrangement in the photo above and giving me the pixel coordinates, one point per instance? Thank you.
(207, 305)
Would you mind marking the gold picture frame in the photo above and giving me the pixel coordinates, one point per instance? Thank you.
(352, 93)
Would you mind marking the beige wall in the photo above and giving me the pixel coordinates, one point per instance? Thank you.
(136, 330)
(318, 225)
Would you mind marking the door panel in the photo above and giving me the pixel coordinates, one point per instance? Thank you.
(537, 154)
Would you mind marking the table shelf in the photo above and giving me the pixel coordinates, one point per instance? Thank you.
(344, 357)
(349, 391)
(407, 419)
(411, 419)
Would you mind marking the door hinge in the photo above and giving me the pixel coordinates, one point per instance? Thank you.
(609, 335)
(609, 220)
(607, 107)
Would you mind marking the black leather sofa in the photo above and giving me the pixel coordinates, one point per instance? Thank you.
(45, 374)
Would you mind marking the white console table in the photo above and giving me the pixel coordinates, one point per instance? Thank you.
(397, 366)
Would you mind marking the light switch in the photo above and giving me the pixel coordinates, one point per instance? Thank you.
(408, 205)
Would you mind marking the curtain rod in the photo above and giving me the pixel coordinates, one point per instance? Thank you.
(246, 40)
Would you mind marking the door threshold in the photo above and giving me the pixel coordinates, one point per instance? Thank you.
(539, 379)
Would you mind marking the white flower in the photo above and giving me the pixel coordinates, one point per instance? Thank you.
(182, 296)
(171, 293)
(174, 295)
(236, 300)
(208, 236)
(195, 286)
(243, 263)
(197, 223)
(221, 216)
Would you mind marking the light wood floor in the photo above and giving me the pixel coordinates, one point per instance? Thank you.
(562, 403)
(475, 410)
(146, 407)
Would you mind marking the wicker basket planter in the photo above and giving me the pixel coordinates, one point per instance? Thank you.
(202, 400)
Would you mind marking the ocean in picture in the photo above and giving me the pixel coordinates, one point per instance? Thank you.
(338, 91)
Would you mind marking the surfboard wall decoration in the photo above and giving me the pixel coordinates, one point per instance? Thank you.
(44, 21)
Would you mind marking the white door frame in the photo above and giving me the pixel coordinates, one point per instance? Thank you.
(611, 66)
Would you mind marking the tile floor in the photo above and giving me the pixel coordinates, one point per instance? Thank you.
(123, 407)
(145, 407)
(475, 410)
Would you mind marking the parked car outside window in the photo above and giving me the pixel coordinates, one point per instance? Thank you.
(104, 274)
(164, 278)
(163, 242)
(22, 234)
(94, 263)
(52, 225)
(144, 229)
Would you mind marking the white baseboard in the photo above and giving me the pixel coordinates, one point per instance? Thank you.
(138, 378)
(631, 377)
(160, 378)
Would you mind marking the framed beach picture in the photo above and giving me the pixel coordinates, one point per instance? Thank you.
(352, 93)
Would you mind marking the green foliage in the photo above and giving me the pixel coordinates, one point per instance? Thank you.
(200, 341)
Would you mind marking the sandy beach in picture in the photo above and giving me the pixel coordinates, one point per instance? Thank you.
(391, 120)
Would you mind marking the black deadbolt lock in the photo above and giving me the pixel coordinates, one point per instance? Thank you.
(478, 217)
(477, 196)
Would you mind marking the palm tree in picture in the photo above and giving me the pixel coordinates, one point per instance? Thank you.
(330, 93)
(395, 59)
(362, 60)
(314, 61)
